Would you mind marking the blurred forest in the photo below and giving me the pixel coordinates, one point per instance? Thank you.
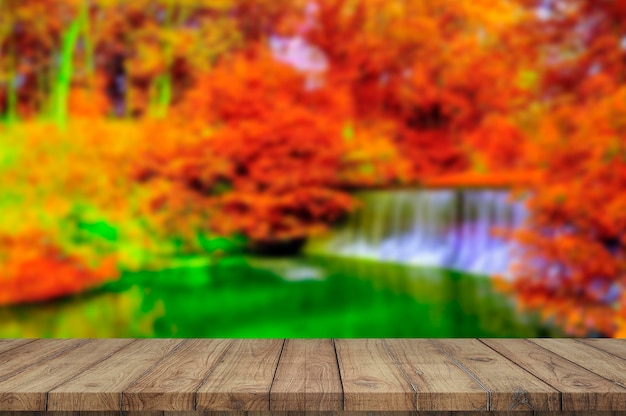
(136, 132)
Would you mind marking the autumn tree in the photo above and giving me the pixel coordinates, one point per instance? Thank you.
(28, 74)
(438, 71)
(265, 153)
(575, 248)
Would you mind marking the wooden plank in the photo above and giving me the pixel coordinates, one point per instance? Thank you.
(440, 383)
(210, 413)
(200, 413)
(296, 413)
(267, 413)
(593, 359)
(132, 413)
(352, 413)
(7, 413)
(530, 413)
(243, 379)
(510, 387)
(581, 389)
(613, 346)
(7, 344)
(172, 384)
(307, 377)
(102, 413)
(94, 413)
(100, 387)
(26, 390)
(506, 413)
(395, 377)
(31, 353)
(371, 380)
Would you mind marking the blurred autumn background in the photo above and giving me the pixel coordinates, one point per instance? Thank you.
(312, 168)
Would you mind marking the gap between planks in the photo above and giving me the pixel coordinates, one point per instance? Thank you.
(367, 375)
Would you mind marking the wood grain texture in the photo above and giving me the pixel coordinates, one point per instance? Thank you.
(581, 389)
(371, 379)
(28, 354)
(617, 347)
(593, 359)
(294, 413)
(26, 390)
(172, 384)
(310, 377)
(100, 387)
(439, 382)
(301, 413)
(9, 344)
(9, 413)
(243, 379)
(133, 413)
(307, 377)
(201, 413)
(510, 387)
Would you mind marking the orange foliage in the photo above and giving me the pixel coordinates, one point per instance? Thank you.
(88, 103)
(35, 269)
(271, 170)
(574, 268)
(500, 145)
(422, 66)
(506, 180)
(64, 228)
(575, 265)
(470, 92)
(371, 157)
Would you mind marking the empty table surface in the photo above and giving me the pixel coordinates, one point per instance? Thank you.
(313, 375)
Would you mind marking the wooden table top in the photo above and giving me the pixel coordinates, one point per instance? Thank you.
(313, 375)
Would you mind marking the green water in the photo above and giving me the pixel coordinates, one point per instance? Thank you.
(295, 297)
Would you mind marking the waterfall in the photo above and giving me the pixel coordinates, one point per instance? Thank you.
(446, 228)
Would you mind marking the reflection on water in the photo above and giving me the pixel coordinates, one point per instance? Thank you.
(97, 315)
(297, 297)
